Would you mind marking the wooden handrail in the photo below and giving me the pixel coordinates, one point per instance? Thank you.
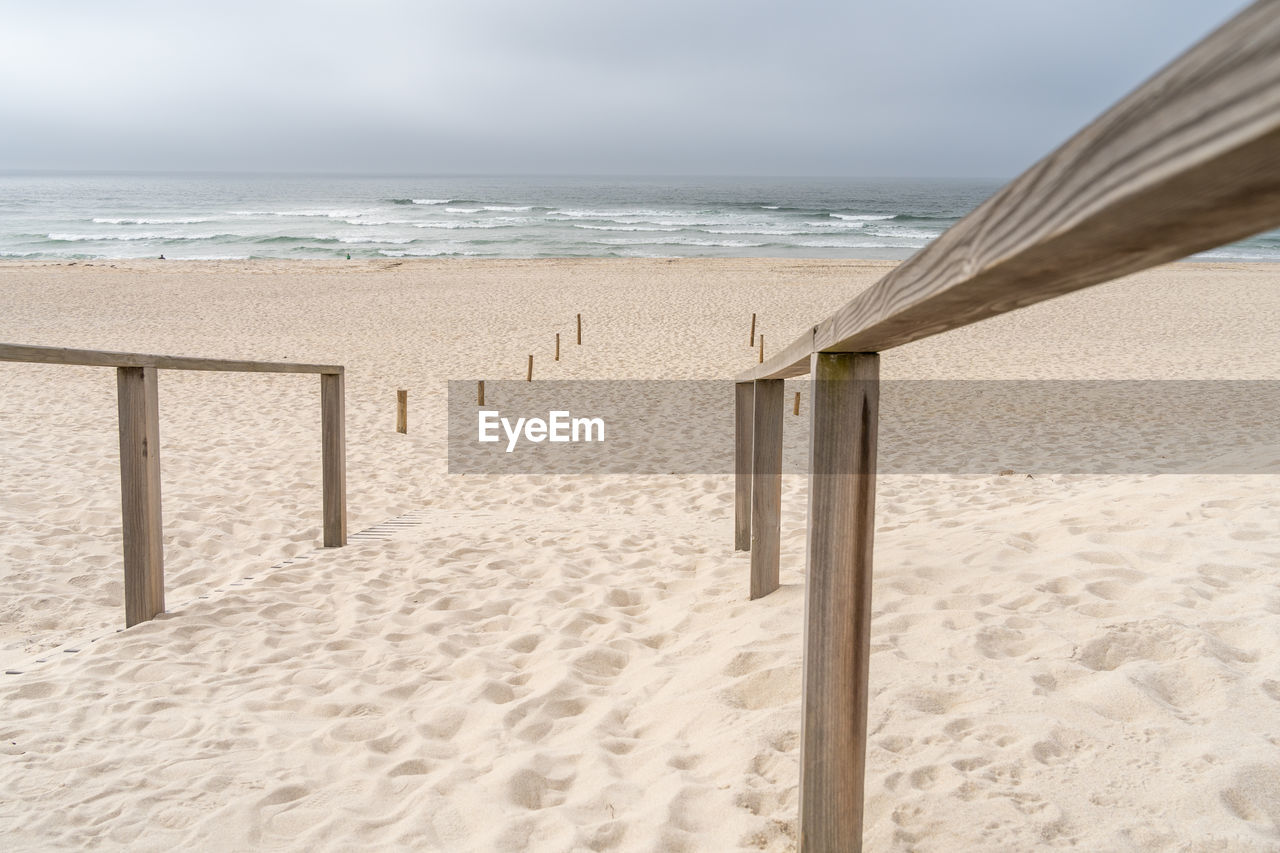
(1188, 161)
(102, 358)
(139, 425)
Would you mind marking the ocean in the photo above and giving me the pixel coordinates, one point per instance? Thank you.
(52, 216)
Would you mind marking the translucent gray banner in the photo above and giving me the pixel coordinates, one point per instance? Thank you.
(988, 427)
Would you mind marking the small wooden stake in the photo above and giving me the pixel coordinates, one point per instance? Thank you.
(579, 330)
(402, 411)
(529, 376)
(753, 330)
(762, 347)
(557, 346)
(480, 392)
(795, 408)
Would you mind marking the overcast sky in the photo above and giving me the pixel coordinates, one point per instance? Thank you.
(980, 88)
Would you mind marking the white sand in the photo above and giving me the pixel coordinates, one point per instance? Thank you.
(555, 664)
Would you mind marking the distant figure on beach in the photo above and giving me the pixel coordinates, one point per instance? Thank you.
(162, 257)
(348, 256)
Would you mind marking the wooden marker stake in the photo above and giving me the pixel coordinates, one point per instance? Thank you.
(753, 330)
(579, 330)
(480, 392)
(529, 376)
(762, 347)
(402, 411)
(795, 408)
(557, 346)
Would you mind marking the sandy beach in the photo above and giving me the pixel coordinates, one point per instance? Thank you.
(543, 663)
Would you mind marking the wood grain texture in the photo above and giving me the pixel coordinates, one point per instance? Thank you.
(140, 516)
(1188, 161)
(833, 726)
(402, 411)
(743, 415)
(333, 451)
(766, 485)
(479, 392)
(102, 358)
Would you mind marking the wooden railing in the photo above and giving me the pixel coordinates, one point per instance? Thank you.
(140, 453)
(1188, 161)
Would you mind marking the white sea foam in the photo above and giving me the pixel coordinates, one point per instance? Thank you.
(455, 225)
(764, 232)
(614, 214)
(463, 209)
(423, 253)
(725, 244)
(910, 233)
(844, 244)
(838, 226)
(387, 240)
(626, 227)
(343, 213)
(94, 238)
(862, 217)
(502, 207)
(379, 221)
(144, 221)
(432, 200)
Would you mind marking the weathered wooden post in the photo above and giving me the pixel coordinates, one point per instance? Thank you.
(138, 400)
(762, 347)
(333, 450)
(480, 392)
(557, 346)
(402, 411)
(795, 407)
(528, 377)
(753, 329)
(579, 330)
(833, 723)
(766, 484)
(742, 416)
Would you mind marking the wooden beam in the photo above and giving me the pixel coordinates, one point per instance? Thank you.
(744, 397)
(402, 411)
(766, 485)
(102, 358)
(1184, 163)
(140, 516)
(833, 723)
(333, 450)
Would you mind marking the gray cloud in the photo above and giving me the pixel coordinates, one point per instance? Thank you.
(908, 87)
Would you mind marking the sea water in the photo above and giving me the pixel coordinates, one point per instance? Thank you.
(80, 216)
